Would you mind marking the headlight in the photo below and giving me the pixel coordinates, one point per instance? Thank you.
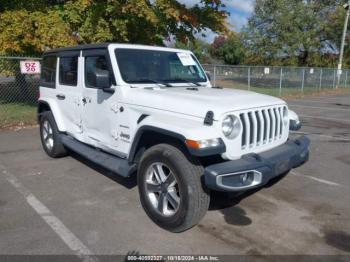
(285, 116)
(231, 126)
(294, 122)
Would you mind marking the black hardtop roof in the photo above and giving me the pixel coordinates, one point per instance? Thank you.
(77, 48)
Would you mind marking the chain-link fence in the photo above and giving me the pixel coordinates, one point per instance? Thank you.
(18, 92)
(278, 81)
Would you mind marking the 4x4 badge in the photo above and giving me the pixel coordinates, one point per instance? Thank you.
(123, 135)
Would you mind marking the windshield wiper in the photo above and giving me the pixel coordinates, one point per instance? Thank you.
(186, 81)
(155, 82)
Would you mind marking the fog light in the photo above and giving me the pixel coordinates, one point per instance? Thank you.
(239, 180)
(244, 178)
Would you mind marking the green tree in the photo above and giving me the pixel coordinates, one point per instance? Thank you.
(200, 48)
(333, 30)
(30, 27)
(293, 32)
(229, 49)
(29, 33)
(25, 32)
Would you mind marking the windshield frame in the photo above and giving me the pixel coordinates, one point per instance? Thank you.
(172, 82)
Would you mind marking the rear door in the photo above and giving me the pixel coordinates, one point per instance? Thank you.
(69, 92)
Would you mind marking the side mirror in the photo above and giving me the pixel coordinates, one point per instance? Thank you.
(101, 78)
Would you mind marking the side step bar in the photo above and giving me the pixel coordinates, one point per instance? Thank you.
(113, 163)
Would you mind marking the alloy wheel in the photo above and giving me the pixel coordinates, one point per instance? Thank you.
(162, 189)
(47, 133)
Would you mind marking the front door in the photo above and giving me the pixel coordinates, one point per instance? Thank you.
(100, 108)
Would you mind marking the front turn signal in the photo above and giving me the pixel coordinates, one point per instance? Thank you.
(200, 144)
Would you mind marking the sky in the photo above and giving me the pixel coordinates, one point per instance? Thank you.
(240, 10)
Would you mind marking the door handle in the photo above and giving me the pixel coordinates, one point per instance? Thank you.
(84, 100)
(61, 97)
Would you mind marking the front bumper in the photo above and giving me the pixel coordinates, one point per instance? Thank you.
(256, 170)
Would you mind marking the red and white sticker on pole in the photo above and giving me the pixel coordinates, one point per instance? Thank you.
(30, 67)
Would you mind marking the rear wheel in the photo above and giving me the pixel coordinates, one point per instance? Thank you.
(170, 188)
(50, 136)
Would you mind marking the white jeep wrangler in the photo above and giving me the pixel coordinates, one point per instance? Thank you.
(152, 111)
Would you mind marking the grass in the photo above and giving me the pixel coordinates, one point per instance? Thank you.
(17, 114)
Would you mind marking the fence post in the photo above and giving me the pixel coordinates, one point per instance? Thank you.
(334, 78)
(214, 75)
(346, 79)
(302, 82)
(320, 86)
(249, 78)
(281, 76)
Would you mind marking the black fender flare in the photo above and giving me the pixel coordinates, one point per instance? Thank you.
(179, 137)
(40, 105)
(144, 129)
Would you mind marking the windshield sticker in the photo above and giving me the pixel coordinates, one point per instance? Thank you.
(186, 59)
(193, 71)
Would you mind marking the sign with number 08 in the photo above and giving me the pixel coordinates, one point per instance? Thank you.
(30, 67)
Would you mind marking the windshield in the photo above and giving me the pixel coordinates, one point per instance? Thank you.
(151, 66)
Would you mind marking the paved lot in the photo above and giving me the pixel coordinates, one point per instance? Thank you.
(69, 206)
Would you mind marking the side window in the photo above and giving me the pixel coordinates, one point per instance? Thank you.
(91, 64)
(68, 74)
(48, 71)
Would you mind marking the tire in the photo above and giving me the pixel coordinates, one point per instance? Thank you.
(186, 200)
(49, 135)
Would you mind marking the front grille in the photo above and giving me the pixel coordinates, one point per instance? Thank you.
(262, 126)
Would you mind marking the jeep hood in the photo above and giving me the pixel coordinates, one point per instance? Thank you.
(189, 101)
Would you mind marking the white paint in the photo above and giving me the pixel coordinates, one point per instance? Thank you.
(293, 116)
(56, 225)
(320, 180)
(320, 107)
(175, 109)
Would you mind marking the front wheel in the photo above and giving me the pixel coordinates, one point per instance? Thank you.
(49, 135)
(170, 188)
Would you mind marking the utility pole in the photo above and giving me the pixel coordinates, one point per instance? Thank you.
(346, 6)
